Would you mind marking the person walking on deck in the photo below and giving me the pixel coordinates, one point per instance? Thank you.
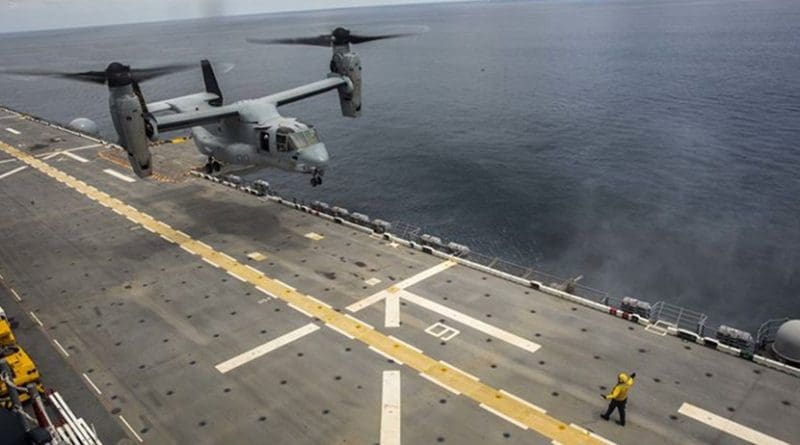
(619, 397)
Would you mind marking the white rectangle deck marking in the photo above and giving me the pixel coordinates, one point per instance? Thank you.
(16, 170)
(433, 380)
(12, 131)
(388, 357)
(130, 429)
(267, 347)
(390, 409)
(374, 298)
(36, 319)
(91, 383)
(61, 348)
(214, 264)
(474, 323)
(119, 175)
(314, 236)
(16, 295)
(503, 416)
(265, 292)
(392, 316)
(728, 426)
(238, 277)
(372, 281)
(256, 256)
(76, 157)
(441, 330)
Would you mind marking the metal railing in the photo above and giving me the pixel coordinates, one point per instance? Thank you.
(680, 317)
(766, 332)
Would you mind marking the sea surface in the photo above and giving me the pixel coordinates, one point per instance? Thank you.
(652, 146)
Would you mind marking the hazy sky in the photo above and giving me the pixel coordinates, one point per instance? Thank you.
(24, 15)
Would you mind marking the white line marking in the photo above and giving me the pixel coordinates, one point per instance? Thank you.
(392, 317)
(13, 131)
(302, 311)
(318, 301)
(372, 299)
(9, 173)
(6, 161)
(525, 402)
(283, 284)
(224, 255)
(237, 277)
(1, 278)
(503, 416)
(75, 157)
(340, 331)
(16, 295)
(413, 348)
(204, 245)
(82, 147)
(214, 264)
(266, 292)
(390, 409)
(474, 323)
(429, 378)
(119, 175)
(267, 347)
(254, 270)
(91, 383)
(579, 428)
(130, 429)
(191, 252)
(61, 348)
(183, 234)
(389, 357)
(36, 319)
(48, 156)
(460, 370)
(7, 117)
(362, 323)
(728, 426)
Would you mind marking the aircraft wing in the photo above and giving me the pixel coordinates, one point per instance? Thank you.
(305, 91)
(190, 119)
(182, 104)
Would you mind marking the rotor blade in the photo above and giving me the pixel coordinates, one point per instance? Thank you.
(357, 38)
(86, 76)
(143, 74)
(321, 40)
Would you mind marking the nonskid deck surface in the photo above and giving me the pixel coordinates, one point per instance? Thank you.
(205, 315)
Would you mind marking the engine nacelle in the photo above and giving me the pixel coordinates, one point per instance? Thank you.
(346, 63)
(131, 125)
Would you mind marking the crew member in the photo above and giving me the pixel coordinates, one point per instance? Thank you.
(619, 397)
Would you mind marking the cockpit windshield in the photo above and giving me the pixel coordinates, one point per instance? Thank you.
(303, 139)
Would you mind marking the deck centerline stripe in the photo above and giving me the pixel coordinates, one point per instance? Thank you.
(429, 367)
(408, 282)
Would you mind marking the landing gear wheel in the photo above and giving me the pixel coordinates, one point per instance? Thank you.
(216, 166)
(315, 181)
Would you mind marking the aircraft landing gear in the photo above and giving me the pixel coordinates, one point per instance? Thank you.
(212, 166)
(316, 178)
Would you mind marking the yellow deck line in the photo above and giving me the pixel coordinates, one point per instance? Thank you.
(483, 394)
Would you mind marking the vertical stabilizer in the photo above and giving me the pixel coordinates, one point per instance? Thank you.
(211, 83)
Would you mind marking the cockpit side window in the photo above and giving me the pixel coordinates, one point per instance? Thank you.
(282, 139)
(303, 139)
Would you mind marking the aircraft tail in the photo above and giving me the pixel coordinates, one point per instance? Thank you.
(211, 83)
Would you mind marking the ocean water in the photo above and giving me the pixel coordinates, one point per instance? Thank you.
(651, 146)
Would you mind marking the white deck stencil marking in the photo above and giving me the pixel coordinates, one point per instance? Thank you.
(474, 323)
(390, 409)
(728, 426)
(119, 175)
(12, 131)
(267, 347)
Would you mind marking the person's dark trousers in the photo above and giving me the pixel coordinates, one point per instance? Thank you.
(615, 404)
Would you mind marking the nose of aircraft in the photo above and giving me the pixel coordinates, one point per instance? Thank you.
(313, 156)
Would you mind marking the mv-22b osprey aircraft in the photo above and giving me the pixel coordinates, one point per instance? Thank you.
(248, 133)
